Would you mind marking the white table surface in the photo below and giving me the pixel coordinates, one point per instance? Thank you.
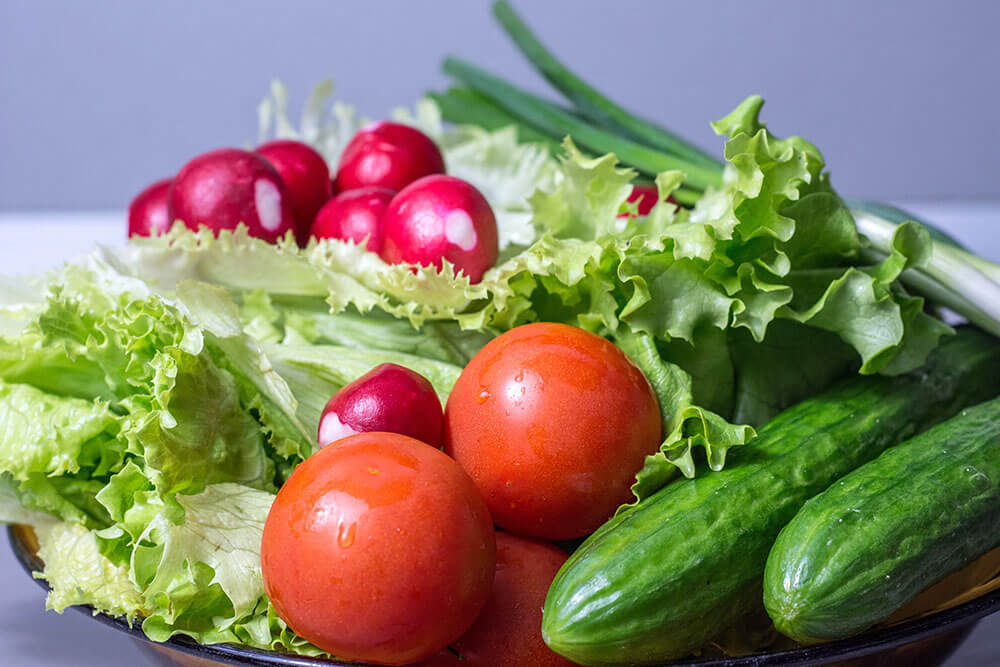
(31, 637)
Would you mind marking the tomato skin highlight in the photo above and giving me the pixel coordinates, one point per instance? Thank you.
(379, 549)
(552, 423)
(508, 632)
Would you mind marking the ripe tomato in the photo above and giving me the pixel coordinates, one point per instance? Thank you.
(379, 549)
(508, 632)
(552, 423)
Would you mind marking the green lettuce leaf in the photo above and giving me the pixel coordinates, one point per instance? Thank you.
(48, 434)
(207, 575)
(78, 574)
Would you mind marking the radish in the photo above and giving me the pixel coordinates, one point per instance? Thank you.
(389, 155)
(387, 398)
(441, 218)
(306, 177)
(354, 215)
(225, 187)
(646, 195)
(147, 214)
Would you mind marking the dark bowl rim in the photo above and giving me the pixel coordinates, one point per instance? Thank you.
(865, 644)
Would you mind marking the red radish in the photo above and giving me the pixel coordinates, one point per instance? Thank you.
(390, 155)
(387, 398)
(306, 177)
(354, 215)
(147, 214)
(645, 195)
(225, 187)
(441, 218)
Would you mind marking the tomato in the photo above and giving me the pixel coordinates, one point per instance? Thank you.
(552, 423)
(508, 632)
(379, 549)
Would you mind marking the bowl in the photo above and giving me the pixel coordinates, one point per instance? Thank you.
(924, 633)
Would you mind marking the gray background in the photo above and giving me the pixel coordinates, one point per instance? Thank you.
(99, 98)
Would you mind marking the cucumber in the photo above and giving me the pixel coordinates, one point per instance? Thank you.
(663, 578)
(867, 545)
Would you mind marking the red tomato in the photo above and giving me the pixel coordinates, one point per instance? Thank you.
(508, 632)
(552, 423)
(379, 549)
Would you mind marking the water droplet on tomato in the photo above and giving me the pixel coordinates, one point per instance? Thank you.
(519, 377)
(482, 397)
(346, 534)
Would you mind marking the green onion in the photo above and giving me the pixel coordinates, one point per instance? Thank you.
(465, 106)
(551, 119)
(589, 102)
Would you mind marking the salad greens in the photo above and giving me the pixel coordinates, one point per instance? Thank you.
(154, 397)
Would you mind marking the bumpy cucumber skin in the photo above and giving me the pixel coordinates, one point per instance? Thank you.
(867, 545)
(665, 577)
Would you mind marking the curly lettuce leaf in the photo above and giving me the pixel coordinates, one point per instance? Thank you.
(48, 434)
(685, 425)
(262, 389)
(293, 324)
(206, 569)
(78, 574)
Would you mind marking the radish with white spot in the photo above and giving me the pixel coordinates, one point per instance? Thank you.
(388, 398)
(306, 177)
(441, 218)
(225, 187)
(389, 155)
(147, 214)
(355, 215)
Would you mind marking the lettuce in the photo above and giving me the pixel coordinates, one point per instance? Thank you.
(78, 574)
(52, 435)
(202, 574)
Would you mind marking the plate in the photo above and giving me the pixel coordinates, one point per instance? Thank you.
(924, 633)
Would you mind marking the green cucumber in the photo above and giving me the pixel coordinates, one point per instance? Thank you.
(867, 545)
(663, 578)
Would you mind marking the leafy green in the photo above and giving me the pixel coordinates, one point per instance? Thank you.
(44, 433)
(207, 574)
(78, 574)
